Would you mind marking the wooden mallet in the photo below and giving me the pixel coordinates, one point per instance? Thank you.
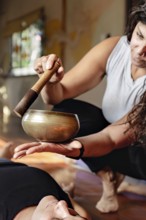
(33, 93)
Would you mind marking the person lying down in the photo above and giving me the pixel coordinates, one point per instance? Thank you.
(29, 193)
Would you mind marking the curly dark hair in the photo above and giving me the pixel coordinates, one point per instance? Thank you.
(137, 119)
(138, 14)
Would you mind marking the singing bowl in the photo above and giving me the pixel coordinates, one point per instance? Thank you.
(50, 126)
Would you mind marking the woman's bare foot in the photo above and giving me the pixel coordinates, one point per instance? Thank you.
(110, 180)
(139, 189)
(7, 150)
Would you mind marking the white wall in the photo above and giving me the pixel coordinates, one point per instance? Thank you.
(91, 21)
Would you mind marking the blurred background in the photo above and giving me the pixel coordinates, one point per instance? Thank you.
(68, 28)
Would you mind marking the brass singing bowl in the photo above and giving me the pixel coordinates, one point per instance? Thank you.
(50, 126)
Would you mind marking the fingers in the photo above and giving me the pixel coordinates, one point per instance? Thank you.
(51, 59)
(19, 154)
(47, 62)
(68, 149)
(23, 149)
(25, 146)
(30, 148)
(36, 149)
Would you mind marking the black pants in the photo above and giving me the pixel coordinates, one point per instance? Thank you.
(22, 186)
(130, 161)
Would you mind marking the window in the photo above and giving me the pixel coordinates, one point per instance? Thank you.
(26, 47)
(26, 36)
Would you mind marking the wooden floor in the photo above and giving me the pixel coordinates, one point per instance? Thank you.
(88, 188)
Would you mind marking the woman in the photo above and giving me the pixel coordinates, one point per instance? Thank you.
(123, 60)
(28, 193)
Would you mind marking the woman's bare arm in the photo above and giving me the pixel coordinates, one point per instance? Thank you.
(112, 137)
(84, 76)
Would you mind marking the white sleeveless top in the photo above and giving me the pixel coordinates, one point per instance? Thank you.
(121, 93)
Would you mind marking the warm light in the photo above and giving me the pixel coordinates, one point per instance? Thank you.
(6, 114)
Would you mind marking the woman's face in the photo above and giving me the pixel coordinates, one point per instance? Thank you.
(50, 208)
(138, 46)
